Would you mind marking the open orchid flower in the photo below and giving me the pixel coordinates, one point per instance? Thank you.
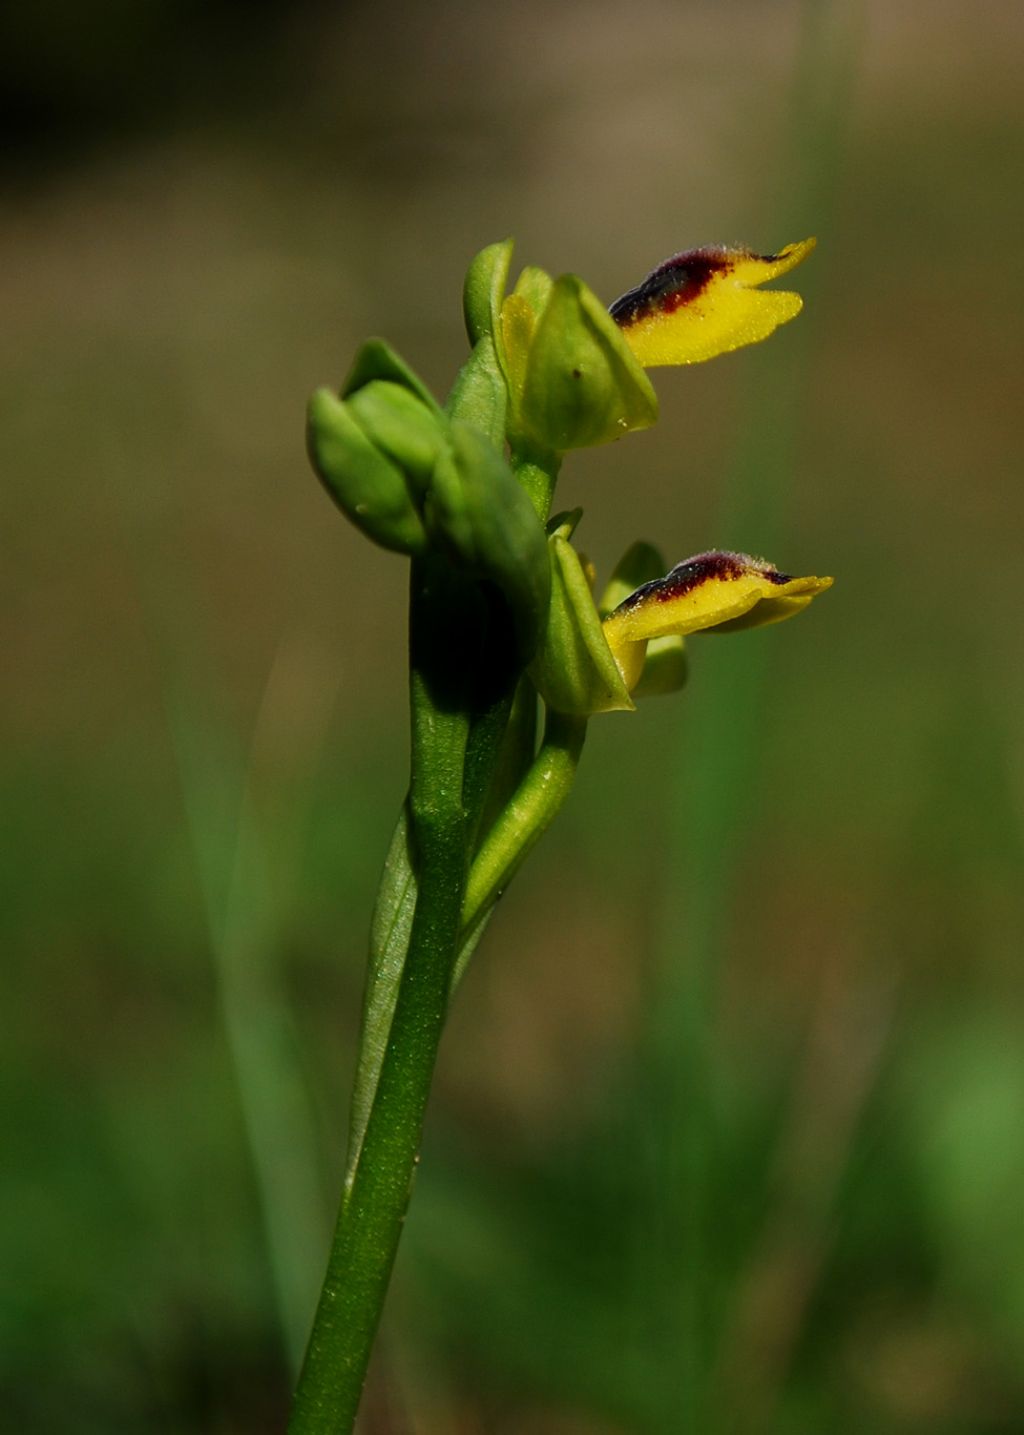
(600, 657)
(574, 371)
(705, 302)
(724, 592)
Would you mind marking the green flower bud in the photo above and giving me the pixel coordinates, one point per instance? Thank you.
(581, 385)
(377, 360)
(368, 488)
(639, 564)
(479, 512)
(402, 427)
(574, 671)
(375, 447)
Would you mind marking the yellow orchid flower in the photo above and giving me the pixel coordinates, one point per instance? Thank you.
(705, 302)
(721, 591)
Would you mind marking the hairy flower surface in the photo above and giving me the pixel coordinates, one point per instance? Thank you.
(723, 591)
(705, 302)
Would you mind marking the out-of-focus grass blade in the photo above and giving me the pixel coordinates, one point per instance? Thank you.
(247, 866)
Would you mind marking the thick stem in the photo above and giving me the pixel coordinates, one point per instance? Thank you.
(537, 470)
(374, 1206)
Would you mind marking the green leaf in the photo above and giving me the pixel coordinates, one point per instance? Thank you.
(389, 941)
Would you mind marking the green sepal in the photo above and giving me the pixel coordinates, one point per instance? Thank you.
(480, 513)
(665, 665)
(377, 360)
(574, 671)
(582, 385)
(484, 288)
(640, 563)
(366, 486)
(665, 669)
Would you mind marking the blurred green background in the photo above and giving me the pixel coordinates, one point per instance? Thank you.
(728, 1133)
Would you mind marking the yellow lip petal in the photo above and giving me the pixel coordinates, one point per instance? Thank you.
(706, 302)
(707, 591)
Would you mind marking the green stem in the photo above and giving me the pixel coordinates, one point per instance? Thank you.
(374, 1205)
(457, 739)
(537, 471)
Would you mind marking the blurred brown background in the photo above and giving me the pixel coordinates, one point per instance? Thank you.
(728, 1131)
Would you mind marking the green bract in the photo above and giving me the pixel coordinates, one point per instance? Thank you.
(574, 671)
(479, 395)
(478, 511)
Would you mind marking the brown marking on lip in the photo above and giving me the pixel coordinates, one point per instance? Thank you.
(717, 566)
(679, 281)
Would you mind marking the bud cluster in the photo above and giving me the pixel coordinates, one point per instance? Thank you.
(552, 370)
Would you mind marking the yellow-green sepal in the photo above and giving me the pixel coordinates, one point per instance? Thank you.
(582, 385)
(574, 670)
(368, 488)
(534, 287)
(514, 335)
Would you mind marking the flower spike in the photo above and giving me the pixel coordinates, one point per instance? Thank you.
(706, 302)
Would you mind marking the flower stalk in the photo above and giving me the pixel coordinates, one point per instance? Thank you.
(380, 1184)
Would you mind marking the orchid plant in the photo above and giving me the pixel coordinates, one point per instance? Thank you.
(505, 621)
